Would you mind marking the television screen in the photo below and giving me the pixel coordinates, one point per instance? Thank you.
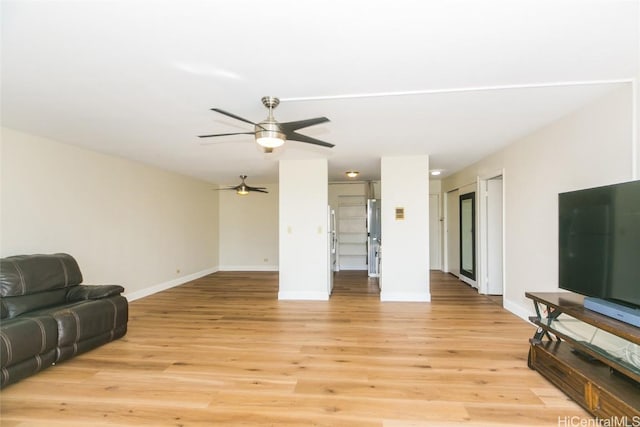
(599, 242)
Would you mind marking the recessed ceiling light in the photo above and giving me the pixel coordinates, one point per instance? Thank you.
(352, 174)
(436, 172)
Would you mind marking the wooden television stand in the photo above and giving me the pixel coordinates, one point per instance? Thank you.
(606, 386)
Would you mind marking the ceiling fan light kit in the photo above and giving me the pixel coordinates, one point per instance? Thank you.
(269, 138)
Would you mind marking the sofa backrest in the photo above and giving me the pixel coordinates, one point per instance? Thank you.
(30, 274)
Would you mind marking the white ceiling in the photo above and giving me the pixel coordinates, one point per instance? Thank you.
(455, 79)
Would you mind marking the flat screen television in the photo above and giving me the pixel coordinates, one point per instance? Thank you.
(599, 243)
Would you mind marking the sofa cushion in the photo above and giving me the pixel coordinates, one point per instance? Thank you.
(16, 306)
(24, 338)
(87, 324)
(79, 321)
(28, 274)
(87, 292)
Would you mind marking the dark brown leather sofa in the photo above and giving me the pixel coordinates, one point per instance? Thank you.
(47, 316)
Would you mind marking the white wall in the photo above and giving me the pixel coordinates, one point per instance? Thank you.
(435, 186)
(304, 245)
(405, 243)
(124, 222)
(249, 230)
(590, 147)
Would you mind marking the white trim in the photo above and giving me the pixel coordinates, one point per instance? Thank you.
(303, 296)
(405, 296)
(504, 232)
(248, 268)
(168, 285)
(634, 129)
(516, 309)
(445, 232)
(454, 90)
(470, 282)
(482, 249)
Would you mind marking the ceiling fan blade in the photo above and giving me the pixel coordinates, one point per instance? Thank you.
(227, 134)
(257, 190)
(294, 136)
(291, 126)
(226, 113)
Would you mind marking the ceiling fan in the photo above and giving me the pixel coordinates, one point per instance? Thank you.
(243, 189)
(270, 133)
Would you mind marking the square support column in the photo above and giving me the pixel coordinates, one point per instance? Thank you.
(304, 246)
(405, 229)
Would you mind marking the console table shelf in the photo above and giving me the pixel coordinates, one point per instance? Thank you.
(604, 385)
(573, 305)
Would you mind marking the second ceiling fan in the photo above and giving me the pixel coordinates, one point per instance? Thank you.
(244, 189)
(270, 133)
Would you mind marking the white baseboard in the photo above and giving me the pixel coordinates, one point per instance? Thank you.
(170, 284)
(303, 295)
(468, 281)
(516, 309)
(405, 296)
(248, 268)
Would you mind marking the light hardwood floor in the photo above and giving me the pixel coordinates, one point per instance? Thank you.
(222, 350)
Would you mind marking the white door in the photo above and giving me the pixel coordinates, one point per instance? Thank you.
(494, 236)
(434, 232)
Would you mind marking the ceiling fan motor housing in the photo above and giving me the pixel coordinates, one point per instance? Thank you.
(269, 129)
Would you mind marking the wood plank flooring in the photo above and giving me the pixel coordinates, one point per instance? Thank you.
(223, 351)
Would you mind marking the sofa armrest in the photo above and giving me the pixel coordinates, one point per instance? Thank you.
(90, 292)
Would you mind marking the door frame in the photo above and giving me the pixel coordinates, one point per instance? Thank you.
(473, 273)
